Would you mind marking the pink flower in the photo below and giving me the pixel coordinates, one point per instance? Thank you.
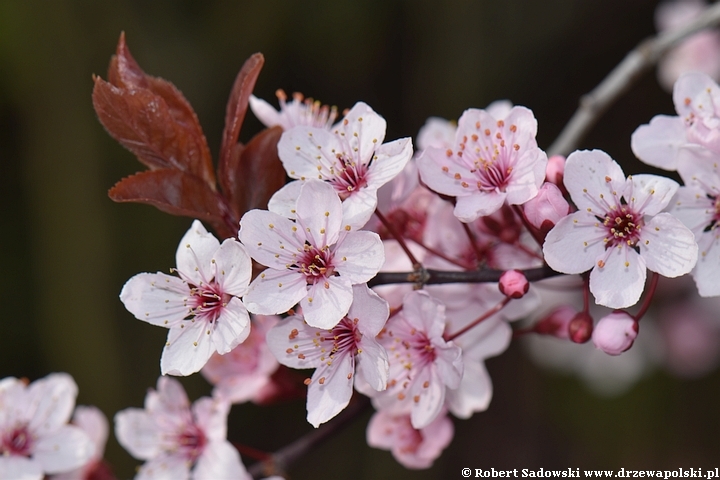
(176, 440)
(615, 333)
(493, 161)
(313, 260)
(422, 364)
(35, 438)
(618, 231)
(696, 97)
(201, 308)
(697, 205)
(300, 111)
(335, 353)
(351, 157)
(411, 447)
(699, 52)
(244, 373)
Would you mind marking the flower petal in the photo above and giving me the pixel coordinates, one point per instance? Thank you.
(668, 246)
(187, 349)
(359, 256)
(389, 160)
(275, 291)
(372, 363)
(234, 267)
(220, 460)
(620, 282)
(480, 204)
(156, 298)
(474, 393)
(20, 468)
(138, 433)
(657, 143)
(284, 201)
(308, 152)
(707, 271)
(589, 176)
(264, 112)
(371, 311)
(210, 415)
(270, 239)
(327, 302)
(49, 401)
(574, 244)
(363, 130)
(319, 212)
(232, 327)
(66, 449)
(164, 467)
(194, 253)
(330, 390)
(650, 194)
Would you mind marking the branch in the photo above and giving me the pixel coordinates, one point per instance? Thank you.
(279, 461)
(435, 277)
(635, 63)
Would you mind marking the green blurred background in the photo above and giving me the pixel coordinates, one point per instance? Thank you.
(66, 249)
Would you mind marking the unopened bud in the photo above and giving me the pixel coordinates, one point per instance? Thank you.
(513, 284)
(555, 170)
(580, 328)
(615, 333)
(557, 322)
(546, 208)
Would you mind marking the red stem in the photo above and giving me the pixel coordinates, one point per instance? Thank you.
(480, 319)
(397, 237)
(648, 296)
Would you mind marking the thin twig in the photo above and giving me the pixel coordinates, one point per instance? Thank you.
(435, 277)
(643, 57)
(278, 462)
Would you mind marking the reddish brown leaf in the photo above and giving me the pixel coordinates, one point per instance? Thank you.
(237, 106)
(125, 73)
(176, 193)
(258, 173)
(142, 123)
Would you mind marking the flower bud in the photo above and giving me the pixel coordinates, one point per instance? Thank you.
(615, 333)
(546, 208)
(555, 170)
(557, 322)
(580, 328)
(513, 284)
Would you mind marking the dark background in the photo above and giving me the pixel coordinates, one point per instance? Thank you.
(66, 249)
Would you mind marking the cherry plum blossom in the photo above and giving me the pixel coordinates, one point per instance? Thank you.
(412, 448)
(619, 231)
(299, 111)
(313, 260)
(422, 364)
(35, 438)
(201, 307)
(335, 353)
(492, 161)
(351, 157)
(177, 440)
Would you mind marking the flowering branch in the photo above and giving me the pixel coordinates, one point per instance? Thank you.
(617, 82)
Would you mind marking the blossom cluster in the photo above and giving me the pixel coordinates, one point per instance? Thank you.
(302, 277)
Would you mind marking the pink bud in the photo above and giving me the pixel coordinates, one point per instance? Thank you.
(555, 169)
(547, 208)
(615, 333)
(513, 284)
(580, 328)
(557, 322)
